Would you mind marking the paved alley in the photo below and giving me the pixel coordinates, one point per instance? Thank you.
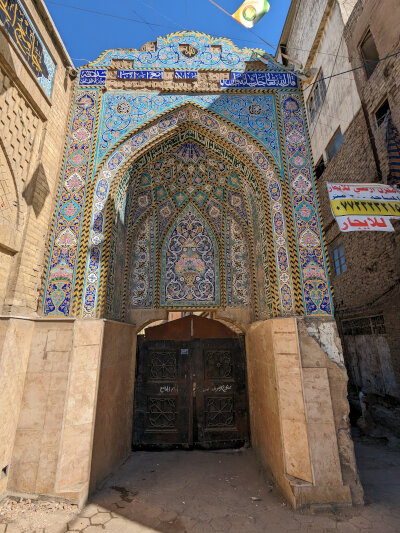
(208, 492)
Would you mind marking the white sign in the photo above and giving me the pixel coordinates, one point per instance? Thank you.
(364, 206)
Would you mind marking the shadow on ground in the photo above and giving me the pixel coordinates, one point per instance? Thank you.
(219, 492)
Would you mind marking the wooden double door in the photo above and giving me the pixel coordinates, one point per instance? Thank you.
(190, 394)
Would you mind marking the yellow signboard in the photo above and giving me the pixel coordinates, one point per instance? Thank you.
(365, 207)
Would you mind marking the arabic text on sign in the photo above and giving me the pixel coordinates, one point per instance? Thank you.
(364, 223)
(186, 74)
(260, 80)
(140, 74)
(18, 26)
(363, 192)
(93, 77)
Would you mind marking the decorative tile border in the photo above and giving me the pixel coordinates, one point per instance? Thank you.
(206, 53)
(126, 151)
(104, 139)
(311, 255)
(123, 112)
(65, 241)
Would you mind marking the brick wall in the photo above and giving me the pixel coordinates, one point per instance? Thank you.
(32, 132)
(370, 286)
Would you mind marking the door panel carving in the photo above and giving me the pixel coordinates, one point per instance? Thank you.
(190, 394)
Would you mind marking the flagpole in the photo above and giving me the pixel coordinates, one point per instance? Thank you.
(256, 34)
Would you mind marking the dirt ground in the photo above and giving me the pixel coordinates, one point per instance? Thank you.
(212, 492)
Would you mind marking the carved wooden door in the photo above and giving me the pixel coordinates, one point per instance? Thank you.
(190, 394)
(219, 393)
(163, 405)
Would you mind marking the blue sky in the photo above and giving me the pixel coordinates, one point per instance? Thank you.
(86, 35)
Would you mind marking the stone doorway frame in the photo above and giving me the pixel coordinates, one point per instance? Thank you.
(63, 435)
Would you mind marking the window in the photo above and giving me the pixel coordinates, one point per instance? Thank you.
(317, 97)
(370, 325)
(319, 168)
(381, 112)
(369, 53)
(339, 259)
(334, 145)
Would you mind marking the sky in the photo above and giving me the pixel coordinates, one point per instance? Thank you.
(87, 35)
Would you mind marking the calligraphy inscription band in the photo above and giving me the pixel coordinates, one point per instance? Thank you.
(22, 31)
(260, 80)
(93, 77)
(140, 74)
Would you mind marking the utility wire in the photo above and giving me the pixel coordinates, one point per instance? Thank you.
(128, 19)
(137, 14)
(119, 17)
(329, 83)
(174, 26)
(354, 69)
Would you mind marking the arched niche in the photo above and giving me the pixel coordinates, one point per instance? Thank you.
(152, 207)
(236, 145)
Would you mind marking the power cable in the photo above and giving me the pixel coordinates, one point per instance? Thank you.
(137, 14)
(355, 68)
(327, 89)
(174, 26)
(119, 17)
(128, 19)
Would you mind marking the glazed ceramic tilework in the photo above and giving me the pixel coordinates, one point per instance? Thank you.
(186, 200)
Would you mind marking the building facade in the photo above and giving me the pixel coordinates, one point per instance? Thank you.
(185, 185)
(35, 94)
(348, 117)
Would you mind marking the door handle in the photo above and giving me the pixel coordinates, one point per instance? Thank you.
(194, 389)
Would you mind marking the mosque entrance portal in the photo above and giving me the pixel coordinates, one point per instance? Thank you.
(190, 391)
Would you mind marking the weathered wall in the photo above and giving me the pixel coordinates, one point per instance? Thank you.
(299, 410)
(313, 35)
(266, 431)
(342, 101)
(325, 387)
(40, 420)
(32, 133)
(114, 412)
(53, 442)
(382, 19)
(298, 41)
(15, 343)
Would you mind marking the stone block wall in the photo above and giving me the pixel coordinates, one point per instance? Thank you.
(114, 413)
(15, 346)
(32, 134)
(299, 410)
(49, 442)
(66, 402)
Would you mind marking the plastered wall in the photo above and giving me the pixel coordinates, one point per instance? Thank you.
(66, 403)
(15, 344)
(114, 413)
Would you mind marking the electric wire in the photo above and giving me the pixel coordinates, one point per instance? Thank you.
(176, 26)
(129, 19)
(232, 38)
